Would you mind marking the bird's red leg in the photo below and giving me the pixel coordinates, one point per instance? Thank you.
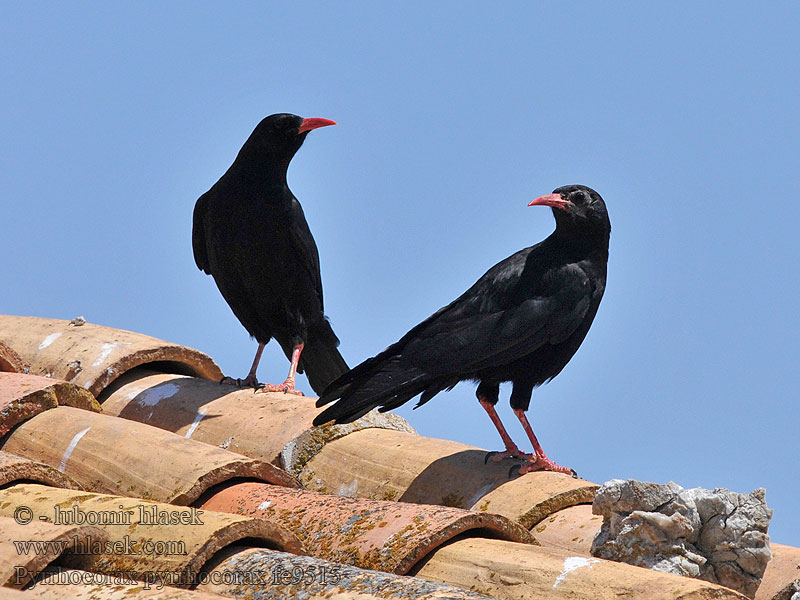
(287, 387)
(251, 380)
(511, 448)
(539, 462)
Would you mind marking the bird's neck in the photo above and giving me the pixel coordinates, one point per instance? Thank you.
(260, 170)
(580, 242)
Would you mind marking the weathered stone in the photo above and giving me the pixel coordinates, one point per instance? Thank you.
(636, 495)
(715, 535)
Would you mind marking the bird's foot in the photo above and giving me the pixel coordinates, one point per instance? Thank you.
(249, 381)
(539, 463)
(514, 452)
(287, 387)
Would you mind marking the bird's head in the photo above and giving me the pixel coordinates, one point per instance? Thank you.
(279, 136)
(577, 208)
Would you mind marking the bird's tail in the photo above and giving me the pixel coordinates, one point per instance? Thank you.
(380, 381)
(322, 364)
(320, 360)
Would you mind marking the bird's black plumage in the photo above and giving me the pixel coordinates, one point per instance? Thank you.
(521, 322)
(250, 234)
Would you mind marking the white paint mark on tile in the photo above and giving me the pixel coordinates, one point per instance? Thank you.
(49, 340)
(109, 375)
(105, 351)
(571, 563)
(264, 505)
(68, 452)
(350, 490)
(154, 395)
(200, 414)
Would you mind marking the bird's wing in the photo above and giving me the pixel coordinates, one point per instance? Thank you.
(199, 234)
(488, 327)
(302, 241)
(492, 324)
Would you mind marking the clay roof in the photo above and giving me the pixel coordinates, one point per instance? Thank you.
(126, 470)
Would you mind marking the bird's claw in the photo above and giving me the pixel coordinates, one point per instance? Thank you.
(540, 463)
(497, 456)
(286, 387)
(246, 382)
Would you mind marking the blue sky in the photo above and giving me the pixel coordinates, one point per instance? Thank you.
(452, 117)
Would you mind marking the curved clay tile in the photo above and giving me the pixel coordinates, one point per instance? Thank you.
(24, 396)
(372, 534)
(92, 356)
(393, 465)
(26, 548)
(571, 529)
(290, 576)
(15, 468)
(533, 497)
(10, 361)
(112, 455)
(147, 536)
(259, 425)
(515, 571)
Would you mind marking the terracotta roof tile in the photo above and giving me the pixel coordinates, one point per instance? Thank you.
(108, 454)
(92, 356)
(409, 467)
(373, 534)
(143, 543)
(205, 557)
(10, 361)
(23, 396)
(413, 468)
(509, 571)
(291, 576)
(26, 549)
(259, 425)
(571, 529)
(15, 468)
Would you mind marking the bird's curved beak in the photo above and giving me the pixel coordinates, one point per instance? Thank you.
(309, 124)
(552, 200)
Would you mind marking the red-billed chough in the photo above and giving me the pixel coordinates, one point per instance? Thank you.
(250, 234)
(521, 322)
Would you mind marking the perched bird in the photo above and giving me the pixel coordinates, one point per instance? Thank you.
(521, 322)
(250, 234)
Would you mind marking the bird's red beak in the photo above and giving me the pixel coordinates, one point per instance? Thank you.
(309, 124)
(553, 200)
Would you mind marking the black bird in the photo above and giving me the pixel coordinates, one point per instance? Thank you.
(250, 233)
(521, 322)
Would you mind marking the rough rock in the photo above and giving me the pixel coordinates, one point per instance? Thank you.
(714, 535)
